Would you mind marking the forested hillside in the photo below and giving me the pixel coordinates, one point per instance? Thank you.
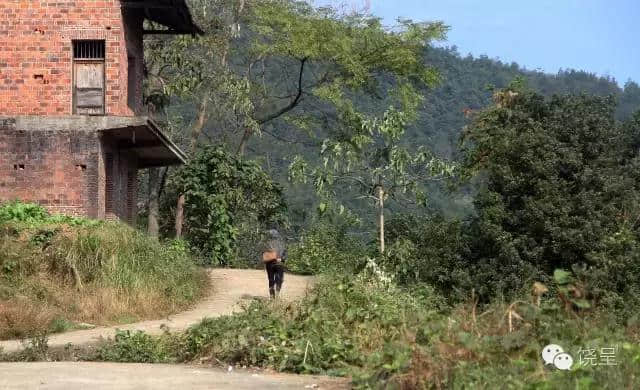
(273, 102)
(466, 84)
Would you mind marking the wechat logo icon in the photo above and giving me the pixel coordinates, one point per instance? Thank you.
(554, 355)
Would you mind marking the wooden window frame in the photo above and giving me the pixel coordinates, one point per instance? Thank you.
(91, 59)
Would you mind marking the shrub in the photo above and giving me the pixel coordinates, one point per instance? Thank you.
(326, 249)
(134, 347)
(22, 212)
(430, 250)
(222, 192)
(35, 349)
(501, 346)
(386, 337)
(342, 325)
(32, 215)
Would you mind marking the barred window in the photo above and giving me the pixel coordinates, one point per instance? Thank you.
(88, 77)
(88, 50)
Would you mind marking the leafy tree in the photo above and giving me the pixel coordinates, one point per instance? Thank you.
(243, 78)
(371, 158)
(221, 191)
(278, 54)
(277, 63)
(556, 186)
(184, 71)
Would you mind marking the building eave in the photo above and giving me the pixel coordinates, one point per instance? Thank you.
(140, 134)
(174, 14)
(166, 141)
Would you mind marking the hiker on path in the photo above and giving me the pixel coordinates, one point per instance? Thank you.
(274, 255)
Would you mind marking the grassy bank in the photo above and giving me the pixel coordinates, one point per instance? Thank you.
(57, 273)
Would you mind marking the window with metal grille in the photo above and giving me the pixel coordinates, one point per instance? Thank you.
(88, 50)
(88, 77)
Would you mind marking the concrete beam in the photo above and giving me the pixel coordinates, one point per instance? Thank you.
(69, 122)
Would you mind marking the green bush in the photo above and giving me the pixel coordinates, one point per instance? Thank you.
(341, 326)
(482, 352)
(60, 324)
(32, 215)
(613, 275)
(134, 347)
(35, 349)
(429, 250)
(326, 249)
(384, 337)
(222, 192)
(22, 212)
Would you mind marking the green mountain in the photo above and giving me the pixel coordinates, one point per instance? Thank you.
(466, 85)
(465, 82)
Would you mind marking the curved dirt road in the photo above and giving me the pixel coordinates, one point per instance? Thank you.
(108, 376)
(229, 287)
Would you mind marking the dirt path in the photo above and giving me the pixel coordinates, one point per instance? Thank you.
(103, 376)
(230, 286)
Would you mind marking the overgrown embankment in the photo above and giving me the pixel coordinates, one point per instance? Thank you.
(385, 337)
(57, 273)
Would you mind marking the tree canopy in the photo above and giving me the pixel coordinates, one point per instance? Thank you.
(557, 185)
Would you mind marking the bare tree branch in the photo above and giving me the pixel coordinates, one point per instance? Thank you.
(293, 103)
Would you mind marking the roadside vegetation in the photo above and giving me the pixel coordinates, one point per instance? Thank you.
(371, 327)
(59, 273)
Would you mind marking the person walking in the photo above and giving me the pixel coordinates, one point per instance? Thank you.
(274, 255)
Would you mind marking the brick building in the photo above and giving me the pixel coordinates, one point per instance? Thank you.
(72, 131)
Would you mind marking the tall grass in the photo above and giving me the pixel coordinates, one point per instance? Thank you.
(113, 255)
(58, 270)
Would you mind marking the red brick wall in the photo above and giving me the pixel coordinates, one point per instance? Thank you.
(58, 170)
(66, 171)
(36, 53)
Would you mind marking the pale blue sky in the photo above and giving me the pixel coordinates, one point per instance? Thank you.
(599, 36)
